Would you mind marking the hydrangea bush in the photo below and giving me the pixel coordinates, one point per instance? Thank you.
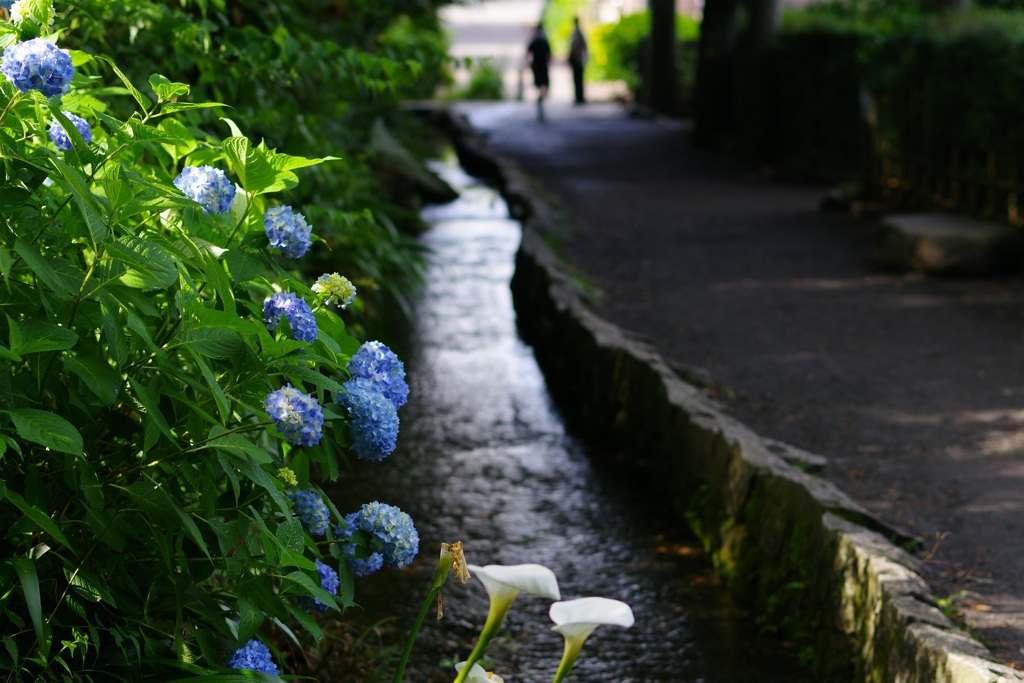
(166, 385)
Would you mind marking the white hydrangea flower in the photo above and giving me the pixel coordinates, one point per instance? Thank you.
(335, 289)
(34, 10)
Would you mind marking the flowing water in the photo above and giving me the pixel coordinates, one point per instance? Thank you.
(484, 458)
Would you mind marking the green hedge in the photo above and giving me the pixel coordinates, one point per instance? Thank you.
(929, 81)
(968, 72)
(617, 50)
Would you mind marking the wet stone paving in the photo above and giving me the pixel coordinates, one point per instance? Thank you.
(483, 457)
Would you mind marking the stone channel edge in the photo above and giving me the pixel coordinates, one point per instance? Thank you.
(788, 542)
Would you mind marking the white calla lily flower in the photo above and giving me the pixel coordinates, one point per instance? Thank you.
(477, 674)
(503, 584)
(577, 619)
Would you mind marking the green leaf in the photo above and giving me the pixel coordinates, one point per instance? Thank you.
(84, 199)
(47, 429)
(12, 651)
(60, 276)
(256, 474)
(249, 619)
(192, 529)
(286, 162)
(142, 132)
(143, 101)
(175, 107)
(240, 444)
(314, 377)
(291, 558)
(33, 336)
(331, 323)
(289, 535)
(152, 408)
(97, 375)
(255, 174)
(89, 485)
(5, 262)
(223, 406)
(113, 331)
(155, 502)
(11, 442)
(209, 342)
(218, 277)
(149, 264)
(14, 198)
(180, 131)
(213, 318)
(29, 579)
(243, 266)
(41, 519)
(278, 348)
(229, 470)
(166, 89)
(307, 620)
(137, 325)
(80, 151)
(311, 586)
(88, 586)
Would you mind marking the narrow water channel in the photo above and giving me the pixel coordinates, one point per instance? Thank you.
(484, 458)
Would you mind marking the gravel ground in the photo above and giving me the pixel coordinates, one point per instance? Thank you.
(912, 387)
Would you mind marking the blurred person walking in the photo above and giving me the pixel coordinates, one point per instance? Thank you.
(538, 53)
(577, 59)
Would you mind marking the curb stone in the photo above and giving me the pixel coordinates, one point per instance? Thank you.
(860, 608)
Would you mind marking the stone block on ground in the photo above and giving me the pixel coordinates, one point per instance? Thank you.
(941, 243)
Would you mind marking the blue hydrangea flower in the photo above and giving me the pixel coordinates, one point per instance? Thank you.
(60, 137)
(297, 311)
(287, 231)
(208, 186)
(390, 531)
(38, 64)
(363, 566)
(297, 415)
(378, 363)
(254, 656)
(360, 566)
(328, 581)
(311, 510)
(373, 419)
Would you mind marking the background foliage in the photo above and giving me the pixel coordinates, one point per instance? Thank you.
(304, 76)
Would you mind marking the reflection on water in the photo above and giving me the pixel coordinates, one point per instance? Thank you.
(484, 458)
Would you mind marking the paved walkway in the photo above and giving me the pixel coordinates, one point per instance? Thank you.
(912, 387)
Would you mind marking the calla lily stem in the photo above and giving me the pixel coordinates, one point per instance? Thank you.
(443, 567)
(411, 640)
(565, 666)
(490, 629)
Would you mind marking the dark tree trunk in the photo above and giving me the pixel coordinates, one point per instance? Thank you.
(714, 109)
(660, 79)
(765, 16)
